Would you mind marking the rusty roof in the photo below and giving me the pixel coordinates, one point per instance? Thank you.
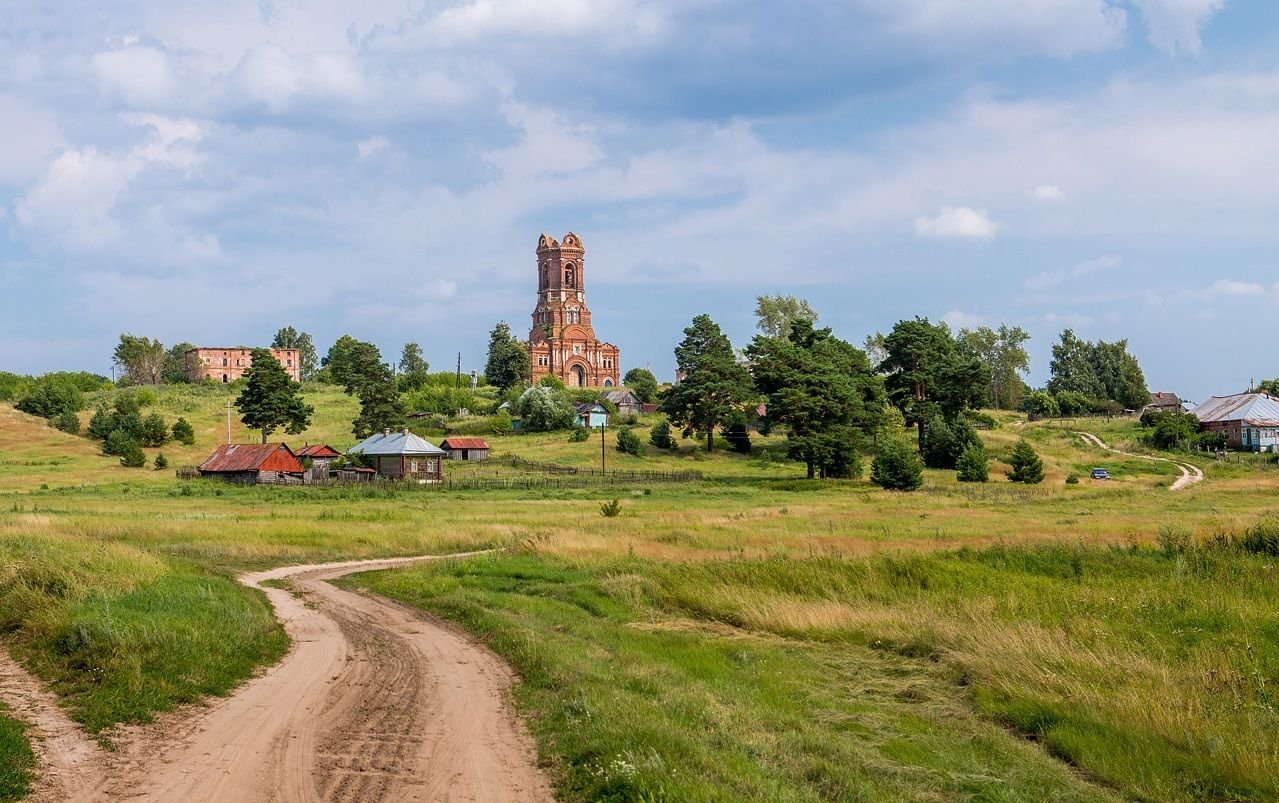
(237, 457)
(318, 450)
(464, 443)
(1257, 409)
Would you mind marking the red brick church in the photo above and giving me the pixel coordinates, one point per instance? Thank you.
(562, 341)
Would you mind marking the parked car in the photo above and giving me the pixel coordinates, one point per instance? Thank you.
(1100, 474)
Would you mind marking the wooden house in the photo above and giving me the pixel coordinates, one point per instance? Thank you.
(476, 449)
(350, 473)
(625, 401)
(592, 416)
(321, 457)
(252, 463)
(401, 455)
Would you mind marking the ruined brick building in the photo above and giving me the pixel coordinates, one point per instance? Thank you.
(229, 364)
(562, 341)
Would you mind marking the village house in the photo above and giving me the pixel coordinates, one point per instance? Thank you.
(401, 455)
(562, 342)
(474, 449)
(321, 457)
(592, 416)
(229, 364)
(1165, 402)
(626, 402)
(253, 463)
(1250, 421)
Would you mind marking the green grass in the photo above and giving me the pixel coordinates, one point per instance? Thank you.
(17, 762)
(824, 678)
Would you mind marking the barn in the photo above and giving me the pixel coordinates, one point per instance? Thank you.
(252, 463)
(475, 449)
(401, 455)
(321, 457)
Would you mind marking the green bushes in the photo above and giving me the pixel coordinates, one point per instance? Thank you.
(1027, 467)
(972, 464)
(1172, 429)
(738, 437)
(611, 509)
(660, 435)
(161, 462)
(896, 466)
(52, 396)
(67, 422)
(945, 441)
(578, 434)
(183, 432)
(544, 409)
(629, 443)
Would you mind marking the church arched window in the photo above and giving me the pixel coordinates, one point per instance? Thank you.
(546, 272)
(570, 276)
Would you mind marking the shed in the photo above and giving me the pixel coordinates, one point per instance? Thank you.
(1250, 421)
(356, 474)
(321, 456)
(624, 400)
(592, 415)
(1161, 401)
(401, 455)
(252, 463)
(476, 449)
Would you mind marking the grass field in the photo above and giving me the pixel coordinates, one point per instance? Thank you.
(769, 636)
(16, 759)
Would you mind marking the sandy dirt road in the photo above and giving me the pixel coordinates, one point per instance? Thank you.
(375, 702)
(1190, 473)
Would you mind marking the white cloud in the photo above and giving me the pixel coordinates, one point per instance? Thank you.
(372, 145)
(1047, 192)
(28, 136)
(958, 221)
(1174, 25)
(1052, 279)
(549, 18)
(958, 319)
(141, 75)
(1230, 287)
(1054, 27)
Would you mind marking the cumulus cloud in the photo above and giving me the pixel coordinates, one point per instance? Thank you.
(142, 75)
(1230, 287)
(1174, 25)
(1051, 279)
(958, 221)
(1047, 192)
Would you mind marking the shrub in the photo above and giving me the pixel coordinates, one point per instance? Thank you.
(133, 456)
(1261, 538)
(1072, 479)
(1212, 441)
(1040, 404)
(738, 437)
(945, 441)
(1174, 539)
(500, 423)
(544, 409)
(68, 422)
(154, 431)
(1172, 430)
(629, 442)
(50, 397)
(976, 417)
(183, 432)
(161, 462)
(896, 466)
(146, 397)
(132, 425)
(578, 434)
(1071, 403)
(126, 403)
(972, 464)
(1027, 467)
(611, 509)
(660, 435)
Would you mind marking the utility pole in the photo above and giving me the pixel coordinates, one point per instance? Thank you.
(603, 426)
(457, 381)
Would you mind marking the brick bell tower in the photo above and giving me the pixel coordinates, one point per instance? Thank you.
(562, 341)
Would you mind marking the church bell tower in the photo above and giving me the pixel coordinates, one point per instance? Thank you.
(562, 341)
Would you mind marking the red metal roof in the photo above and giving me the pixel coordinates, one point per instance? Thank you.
(464, 443)
(318, 450)
(237, 457)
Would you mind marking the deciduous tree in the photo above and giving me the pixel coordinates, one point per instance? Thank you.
(141, 358)
(642, 383)
(290, 338)
(927, 376)
(508, 361)
(414, 369)
(775, 314)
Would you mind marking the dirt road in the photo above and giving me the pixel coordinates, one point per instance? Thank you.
(373, 702)
(1190, 473)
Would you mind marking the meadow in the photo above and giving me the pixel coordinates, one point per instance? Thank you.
(752, 635)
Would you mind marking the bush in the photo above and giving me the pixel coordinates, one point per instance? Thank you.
(68, 422)
(145, 397)
(972, 464)
(126, 403)
(102, 424)
(183, 432)
(500, 423)
(896, 466)
(154, 431)
(50, 397)
(1072, 479)
(611, 509)
(1040, 404)
(544, 409)
(945, 441)
(738, 437)
(629, 443)
(161, 462)
(131, 424)
(1027, 467)
(1174, 539)
(660, 435)
(1212, 441)
(1071, 403)
(1172, 430)
(578, 434)
(133, 456)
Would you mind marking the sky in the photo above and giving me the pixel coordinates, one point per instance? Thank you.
(211, 172)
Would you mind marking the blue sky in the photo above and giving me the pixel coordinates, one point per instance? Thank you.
(212, 171)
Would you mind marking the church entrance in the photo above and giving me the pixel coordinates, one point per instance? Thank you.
(579, 376)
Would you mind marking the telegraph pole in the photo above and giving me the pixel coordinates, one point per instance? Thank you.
(457, 381)
(603, 426)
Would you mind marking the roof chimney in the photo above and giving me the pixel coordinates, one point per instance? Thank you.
(386, 433)
(406, 432)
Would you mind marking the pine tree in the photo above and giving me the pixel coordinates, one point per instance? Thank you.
(660, 435)
(373, 382)
(896, 466)
(183, 432)
(154, 431)
(270, 399)
(972, 465)
(1027, 467)
(715, 386)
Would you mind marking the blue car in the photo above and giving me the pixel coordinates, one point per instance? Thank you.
(1100, 474)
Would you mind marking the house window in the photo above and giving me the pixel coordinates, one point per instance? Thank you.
(290, 362)
(431, 467)
(413, 466)
(225, 362)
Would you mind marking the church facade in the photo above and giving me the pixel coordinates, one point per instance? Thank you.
(562, 342)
